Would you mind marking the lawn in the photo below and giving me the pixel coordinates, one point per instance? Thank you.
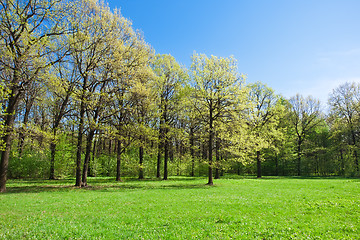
(182, 208)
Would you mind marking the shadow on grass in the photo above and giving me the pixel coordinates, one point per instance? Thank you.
(289, 177)
(102, 184)
(107, 184)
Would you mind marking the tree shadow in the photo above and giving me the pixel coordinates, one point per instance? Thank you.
(103, 184)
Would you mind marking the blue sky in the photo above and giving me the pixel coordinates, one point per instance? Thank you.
(294, 46)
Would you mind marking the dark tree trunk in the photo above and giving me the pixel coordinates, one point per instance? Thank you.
(192, 152)
(110, 147)
(166, 158)
(355, 152)
(92, 162)
(158, 164)
(258, 164)
(141, 160)
(28, 107)
(118, 161)
(79, 144)
(52, 160)
(299, 159)
(211, 137)
(89, 140)
(342, 164)
(7, 138)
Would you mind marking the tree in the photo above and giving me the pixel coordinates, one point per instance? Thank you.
(344, 104)
(216, 84)
(27, 29)
(142, 106)
(305, 117)
(168, 81)
(131, 62)
(263, 119)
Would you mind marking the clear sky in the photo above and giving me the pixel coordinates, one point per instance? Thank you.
(294, 46)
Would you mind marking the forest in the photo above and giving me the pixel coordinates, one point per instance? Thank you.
(83, 94)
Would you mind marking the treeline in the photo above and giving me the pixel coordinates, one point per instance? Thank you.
(82, 94)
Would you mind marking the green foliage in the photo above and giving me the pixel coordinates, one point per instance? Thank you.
(32, 164)
(64, 158)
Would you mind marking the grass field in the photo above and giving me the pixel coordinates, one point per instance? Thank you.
(182, 208)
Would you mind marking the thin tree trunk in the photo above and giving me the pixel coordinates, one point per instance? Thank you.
(166, 157)
(192, 152)
(299, 159)
(355, 152)
(52, 160)
(211, 137)
(158, 164)
(118, 161)
(110, 147)
(92, 162)
(342, 165)
(87, 157)
(276, 165)
(141, 160)
(258, 164)
(28, 106)
(79, 144)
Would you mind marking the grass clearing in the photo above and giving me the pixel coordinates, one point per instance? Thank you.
(182, 208)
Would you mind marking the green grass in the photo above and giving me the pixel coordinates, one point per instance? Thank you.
(182, 208)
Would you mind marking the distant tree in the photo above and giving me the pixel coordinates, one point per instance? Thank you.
(305, 116)
(143, 108)
(344, 104)
(263, 119)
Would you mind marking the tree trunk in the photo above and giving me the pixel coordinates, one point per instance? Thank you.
(141, 160)
(158, 164)
(118, 161)
(258, 164)
(110, 147)
(166, 157)
(192, 152)
(342, 164)
(7, 138)
(299, 159)
(276, 164)
(28, 106)
(92, 162)
(79, 144)
(52, 160)
(87, 157)
(211, 137)
(355, 152)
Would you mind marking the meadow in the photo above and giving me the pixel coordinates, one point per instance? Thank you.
(182, 208)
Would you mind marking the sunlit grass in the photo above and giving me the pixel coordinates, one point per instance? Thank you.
(182, 208)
